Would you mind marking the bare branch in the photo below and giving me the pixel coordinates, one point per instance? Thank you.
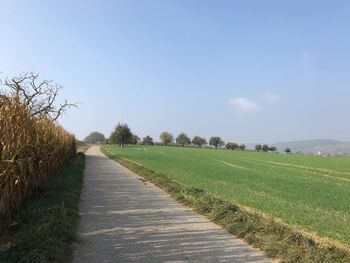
(63, 108)
(39, 95)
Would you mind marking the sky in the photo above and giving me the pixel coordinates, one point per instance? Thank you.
(248, 71)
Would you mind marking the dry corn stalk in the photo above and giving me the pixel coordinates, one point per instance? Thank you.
(31, 150)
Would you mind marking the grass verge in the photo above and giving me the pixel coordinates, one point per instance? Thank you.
(276, 238)
(45, 229)
(83, 149)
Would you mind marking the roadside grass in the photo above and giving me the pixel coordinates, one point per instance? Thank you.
(44, 230)
(287, 242)
(83, 148)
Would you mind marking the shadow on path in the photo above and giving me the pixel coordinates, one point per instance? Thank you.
(126, 220)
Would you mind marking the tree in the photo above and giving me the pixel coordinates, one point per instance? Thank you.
(166, 138)
(121, 135)
(39, 95)
(95, 137)
(231, 145)
(182, 139)
(242, 147)
(134, 139)
(265, 148)
(273, 149)
(258, 147)
(199, 141)
(147, 140)
(288, 150)
(216, 141)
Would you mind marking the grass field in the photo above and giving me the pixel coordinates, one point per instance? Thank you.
(304, 191)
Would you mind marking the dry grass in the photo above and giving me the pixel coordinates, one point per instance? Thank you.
(31, 150)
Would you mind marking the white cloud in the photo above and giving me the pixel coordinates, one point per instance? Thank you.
(244, 105)
(271, 97)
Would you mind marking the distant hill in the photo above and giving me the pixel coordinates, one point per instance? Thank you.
(333, 147)
(307, 145)
(337, 149)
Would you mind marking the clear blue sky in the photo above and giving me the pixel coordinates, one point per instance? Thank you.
(249, 71)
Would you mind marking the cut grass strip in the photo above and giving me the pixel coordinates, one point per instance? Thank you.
(276, 238)
(45, 229)
(296, 168)
(233, 165)
(291, 167)
(300, 167)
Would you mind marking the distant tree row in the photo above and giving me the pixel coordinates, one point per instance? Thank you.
(183, 140)
(235, 146)
(122, 135)
(265, 148)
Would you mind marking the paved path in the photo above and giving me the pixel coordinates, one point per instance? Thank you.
(126, 220)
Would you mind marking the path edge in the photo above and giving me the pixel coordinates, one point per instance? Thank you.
(272, 236)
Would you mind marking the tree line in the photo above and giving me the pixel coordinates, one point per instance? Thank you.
(122, 135)
(265, 148)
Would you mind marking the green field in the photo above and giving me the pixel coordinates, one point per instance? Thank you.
(304, 191)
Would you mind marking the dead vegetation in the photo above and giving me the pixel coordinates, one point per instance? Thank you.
(33, 146)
